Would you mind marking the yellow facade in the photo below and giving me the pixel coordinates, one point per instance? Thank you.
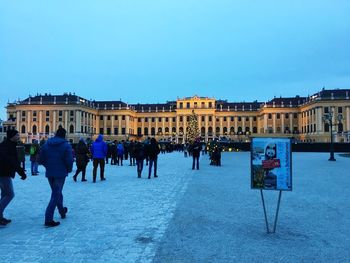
(301, 118)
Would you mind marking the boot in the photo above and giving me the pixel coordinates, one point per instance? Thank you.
(52, 223)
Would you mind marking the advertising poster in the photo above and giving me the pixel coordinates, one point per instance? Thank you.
(271, 164)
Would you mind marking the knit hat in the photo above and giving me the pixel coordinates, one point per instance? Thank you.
(11, 133)
(61, 133)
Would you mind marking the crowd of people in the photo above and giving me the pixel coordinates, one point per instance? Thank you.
(58, 156)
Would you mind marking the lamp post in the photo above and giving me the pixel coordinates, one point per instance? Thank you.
(328, 117)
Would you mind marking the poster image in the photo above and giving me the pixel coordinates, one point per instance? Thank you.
(271, 164)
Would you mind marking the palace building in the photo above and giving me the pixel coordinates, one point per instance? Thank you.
(306, 119)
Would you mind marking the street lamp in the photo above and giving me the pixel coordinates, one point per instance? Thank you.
(328, 117)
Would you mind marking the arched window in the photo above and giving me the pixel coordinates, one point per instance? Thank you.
(71, 128)
(255, 130)
(34, 129)
(153, 131)
(181, 130)
(203, 131)
(326, 127)
(340, 127)
(173, 129)
(217, 130)
(60, 126)
(166, 129)
(239, 129)
(160, 131)
(247, 129)
(146, 131)
(23, 129)
(47, 129)
(232, 130)
(225, 130)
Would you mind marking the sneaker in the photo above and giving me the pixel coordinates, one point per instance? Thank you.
(103, 179)
(63, 214)
(51, 223)
(4, 221)
(155, 176)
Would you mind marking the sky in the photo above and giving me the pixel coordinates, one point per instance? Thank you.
(156, 51)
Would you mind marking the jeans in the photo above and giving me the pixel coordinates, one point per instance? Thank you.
(195, 159)
(56, 200)
(97, 162)
(139, 166)
(151, 161)
(7, 193)
(34, 167)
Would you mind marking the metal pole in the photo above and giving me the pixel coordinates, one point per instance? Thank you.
(331, 156)
(278, 208)
(263, 202)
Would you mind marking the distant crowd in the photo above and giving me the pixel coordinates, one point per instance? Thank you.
(58, 156)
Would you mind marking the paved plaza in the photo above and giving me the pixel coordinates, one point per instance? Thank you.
(210, 215)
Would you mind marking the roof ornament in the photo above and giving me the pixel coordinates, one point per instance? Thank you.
(29, 100)
(332, 96)
(112, 106)
(142, 110)
(105, 106)
(41, 100)
(54, 100)
(66, 100)
(347, 95)
(120, 106)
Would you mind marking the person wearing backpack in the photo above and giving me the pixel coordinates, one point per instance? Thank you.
(34, 157)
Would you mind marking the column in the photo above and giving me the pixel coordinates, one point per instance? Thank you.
(221, 126)
(185, 125)
(251, 124)
(265, 123)
(127, 125)
(66, 120)
(119, 125)
(291, 128)
(53, 128)
(18, 116)
(214, 124)
(243, 125)
(282, 122)
(163, 125)
(228, 125)
(156, 119)
(274, 122)
(40, 128)
(347, 109)
(206, 127)
(78, 121)
(112, 124)
(319, 120)
(236, 124)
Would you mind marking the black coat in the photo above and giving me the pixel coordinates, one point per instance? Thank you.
(195, 149)
(153, 151)
(9, 163)
(82, 151)
(140, 153)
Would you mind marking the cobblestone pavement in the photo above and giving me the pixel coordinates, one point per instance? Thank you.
(117, 220)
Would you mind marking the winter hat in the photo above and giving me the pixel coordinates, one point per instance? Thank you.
(61, 133)
(11, 133)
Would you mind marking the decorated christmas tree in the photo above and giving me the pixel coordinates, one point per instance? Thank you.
(193, 130)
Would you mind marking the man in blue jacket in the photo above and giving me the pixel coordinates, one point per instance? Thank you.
(99, 153)
(56, 155)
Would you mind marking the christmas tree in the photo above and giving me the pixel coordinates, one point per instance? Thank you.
(193, 130)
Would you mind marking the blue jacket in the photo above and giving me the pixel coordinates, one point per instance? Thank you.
(120, 149)
(57, 157)
(99, 148)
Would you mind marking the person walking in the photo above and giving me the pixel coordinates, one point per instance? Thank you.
(57, 158)
(9, 166)
(99, 152)
(195, 150)
(120, 153)
(153, 151)
(140, 156)
(34, 156)
(82, 159)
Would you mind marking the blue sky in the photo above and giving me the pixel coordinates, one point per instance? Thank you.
(154, 51)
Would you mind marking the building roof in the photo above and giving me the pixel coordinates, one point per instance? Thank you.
(286, 102)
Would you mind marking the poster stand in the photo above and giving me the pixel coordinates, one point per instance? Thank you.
(276, 215)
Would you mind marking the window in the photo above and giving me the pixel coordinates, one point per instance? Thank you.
(326, 127)
(123, 130)
(203, 105)
(115, 131)
(174, 119)
(225, 119)
(123, 118)
(203, 118)
(71, 129)
(23, 129)
(139, 132)
(225, 130)
(71, 113)
(232, 118)
(23, 113)
(146, 131)
(139, 120)
(166, 130)
(47, 119)
(340, 110)
(187, 118)
(340, 127)
(270, 116)
(153, 131)
(101, 117)
(101, 130)
(159, 119)
(146, 119)
(278, 115)
(109, 131)
(210, 118)
(255, 130)
(181, 105)
(254, 118)
(34, 113)
(196, 105)
(108, 117)
(181, 119)
(34, 129)
(326, 110)
(295, 115)
(239, 119)
(210, 104)
(202, 131)
(188, 105)
(115, 117)
(47, 113)
(153, 119)
(286, 115)
(166, 119)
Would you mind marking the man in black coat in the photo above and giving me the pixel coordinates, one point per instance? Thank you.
(195, 149)
(153, 151)
(9, 165)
